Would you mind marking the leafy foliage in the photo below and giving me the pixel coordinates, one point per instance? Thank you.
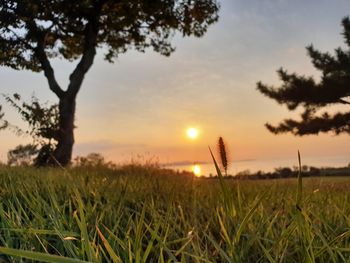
(43, 124)
(93, 160)
(32, 31)
(42, 119)
(3, 123)
(22, 155)
(332, 89)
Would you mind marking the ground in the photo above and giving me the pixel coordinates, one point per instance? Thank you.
(145, 214)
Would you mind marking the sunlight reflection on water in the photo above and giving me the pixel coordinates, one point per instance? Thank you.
(196, 169)
(205, 169)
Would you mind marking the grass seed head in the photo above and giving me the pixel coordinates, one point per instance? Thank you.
(223, 154)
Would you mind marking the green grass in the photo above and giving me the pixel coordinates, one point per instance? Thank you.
(143, 214)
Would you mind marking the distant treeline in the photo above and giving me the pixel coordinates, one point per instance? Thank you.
(23, 156)
(287, 172)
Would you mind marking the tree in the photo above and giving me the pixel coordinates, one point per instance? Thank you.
(43, 126)
(34, 31)
(92, 160)
(22, 155)
(332, 89)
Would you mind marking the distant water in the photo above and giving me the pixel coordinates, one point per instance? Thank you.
(265, 165)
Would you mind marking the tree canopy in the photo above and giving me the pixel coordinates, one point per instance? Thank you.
(333, 88)
(22, 155)
(33, 31)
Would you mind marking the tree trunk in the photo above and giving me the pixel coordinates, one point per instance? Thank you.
(63, 152)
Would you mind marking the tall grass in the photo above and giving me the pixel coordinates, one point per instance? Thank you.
(144, 214)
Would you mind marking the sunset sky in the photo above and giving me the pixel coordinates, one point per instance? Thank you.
(143, 103)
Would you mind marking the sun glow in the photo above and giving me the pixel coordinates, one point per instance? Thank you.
(196, 169)
(192, 133)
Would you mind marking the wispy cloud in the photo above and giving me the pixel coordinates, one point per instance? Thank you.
(105, 146)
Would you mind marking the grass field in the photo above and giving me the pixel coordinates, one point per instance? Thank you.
(144, 214)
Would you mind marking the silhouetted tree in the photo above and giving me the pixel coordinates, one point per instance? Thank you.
(43, 126)
(332, 89)
(22, 155)
(34, 31)
(91, 160)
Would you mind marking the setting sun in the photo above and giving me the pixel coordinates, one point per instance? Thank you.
(192, 133)
(196, 169)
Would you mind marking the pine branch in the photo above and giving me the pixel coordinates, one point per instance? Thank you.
(311, 124)
(346, 31)
(298, 90)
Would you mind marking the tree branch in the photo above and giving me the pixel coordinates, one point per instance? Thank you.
(87, 59)
(48, 70)
(310, 124)
(39, 51)
(344, 101)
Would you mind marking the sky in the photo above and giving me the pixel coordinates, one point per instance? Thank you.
(139, 107)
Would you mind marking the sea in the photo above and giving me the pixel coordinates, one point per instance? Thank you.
(255, 165)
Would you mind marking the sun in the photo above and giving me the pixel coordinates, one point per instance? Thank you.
(192, 133)
(196, 169)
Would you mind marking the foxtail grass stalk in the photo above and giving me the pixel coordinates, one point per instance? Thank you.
(223, 154)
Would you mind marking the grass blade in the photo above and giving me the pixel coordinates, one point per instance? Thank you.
(300, 184)
(108, 247)
(42, 257)
(81, 220)
(219, 249)
(246, 219)
(266, 252)
(228, 203)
